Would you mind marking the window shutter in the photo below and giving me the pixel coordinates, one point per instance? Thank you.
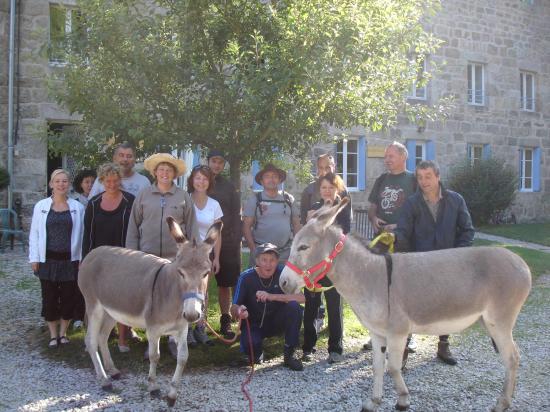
(520, 170)
(362, 158)
(469, 151)
(486, 154)
(536, 169)
(411, 148)
(430, 150)
(254, 171)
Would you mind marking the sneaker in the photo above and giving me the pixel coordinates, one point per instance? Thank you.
(126, 349)
(307, 356)
(335, 357)
(412, 345)
(191, 341)
(368, 346)
(77, 324)
(173, 347)
(291, 362)
(201, 336)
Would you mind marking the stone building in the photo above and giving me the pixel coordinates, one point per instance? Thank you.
(495, 60)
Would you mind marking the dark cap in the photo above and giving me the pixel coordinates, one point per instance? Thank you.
(266, 248)
(215, 153)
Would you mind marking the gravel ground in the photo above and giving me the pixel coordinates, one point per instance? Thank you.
(31, 382)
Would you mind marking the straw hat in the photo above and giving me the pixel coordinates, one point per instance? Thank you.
(270, 167)
(153, 161)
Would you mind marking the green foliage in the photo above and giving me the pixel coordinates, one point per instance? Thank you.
(489, 186)
(527, 232)
(4, 178)
(242, 76)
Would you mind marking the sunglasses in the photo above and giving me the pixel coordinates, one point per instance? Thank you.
(201, 167)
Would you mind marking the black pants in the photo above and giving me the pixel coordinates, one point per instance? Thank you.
(335, 320)
(58, 299)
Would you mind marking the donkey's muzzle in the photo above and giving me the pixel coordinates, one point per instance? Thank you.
(192, 306)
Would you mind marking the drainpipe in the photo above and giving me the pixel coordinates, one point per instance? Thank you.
(10, 101)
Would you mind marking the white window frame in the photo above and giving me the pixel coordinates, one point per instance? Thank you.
(524, 165)
(472, 155)
(526, 104)
(68, 28)
(473, 87)
(344, 156)
(422, 146)
(414, 91)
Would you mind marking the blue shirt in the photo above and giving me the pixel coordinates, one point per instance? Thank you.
(245, 293)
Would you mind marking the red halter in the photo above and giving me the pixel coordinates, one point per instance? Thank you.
(324, 266)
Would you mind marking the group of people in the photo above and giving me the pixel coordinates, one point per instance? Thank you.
(122, 208)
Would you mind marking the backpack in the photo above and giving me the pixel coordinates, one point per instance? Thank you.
(286, 201)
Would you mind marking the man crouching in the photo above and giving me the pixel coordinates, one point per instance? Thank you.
(259, 298)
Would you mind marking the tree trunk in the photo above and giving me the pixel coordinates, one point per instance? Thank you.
(235, 172)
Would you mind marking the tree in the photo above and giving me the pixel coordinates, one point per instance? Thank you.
(249, 77)
(488, 186)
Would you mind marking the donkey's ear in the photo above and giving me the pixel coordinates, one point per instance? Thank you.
(213, 233)
(175, 230)
(327, 217)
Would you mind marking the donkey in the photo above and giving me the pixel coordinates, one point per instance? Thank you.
(432, 293)
(145, 291)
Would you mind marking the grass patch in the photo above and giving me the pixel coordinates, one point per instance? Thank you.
(27, 283)
(538, 262)
(527, 232)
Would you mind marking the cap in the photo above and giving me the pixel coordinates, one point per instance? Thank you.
(215, 153)
(266, 248)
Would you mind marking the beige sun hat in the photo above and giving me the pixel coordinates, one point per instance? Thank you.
(153, 161)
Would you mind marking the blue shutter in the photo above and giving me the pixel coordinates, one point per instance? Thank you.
(430, 150)
(469, 151)
(486, 153)
(196, 156)
(362, 158)
(411, 148)
(536, 169)
(254, 171)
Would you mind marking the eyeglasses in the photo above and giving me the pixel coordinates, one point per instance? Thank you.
(201, 167)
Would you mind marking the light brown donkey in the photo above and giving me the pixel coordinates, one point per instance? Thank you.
(432, 293)
(145, 291)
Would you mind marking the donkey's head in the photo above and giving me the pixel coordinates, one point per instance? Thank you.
(312, 245)
(193, 264)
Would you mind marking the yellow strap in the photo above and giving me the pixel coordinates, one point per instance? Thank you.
(322, 289)
(386, 238)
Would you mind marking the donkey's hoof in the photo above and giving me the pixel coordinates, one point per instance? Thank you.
(400, 407)
(155, 394)
(107, 387)
(170, 401)
(116, 376)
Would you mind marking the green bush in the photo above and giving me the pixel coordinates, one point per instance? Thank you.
(4, 178)
(489, 187)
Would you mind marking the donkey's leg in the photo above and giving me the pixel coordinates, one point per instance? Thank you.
(183, 355)
(396, 347)
(502, 336)
(153, 337)
(95, 320)
(378, 365)
(106, 328)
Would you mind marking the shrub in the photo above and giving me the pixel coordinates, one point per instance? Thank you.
(489, 187)
(4, 178)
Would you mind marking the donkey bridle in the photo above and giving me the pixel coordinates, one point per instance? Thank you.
(324, 266)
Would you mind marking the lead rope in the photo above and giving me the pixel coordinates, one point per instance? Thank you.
(248, 378)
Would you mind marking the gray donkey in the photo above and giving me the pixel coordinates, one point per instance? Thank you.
(145, 291)
(432, 293)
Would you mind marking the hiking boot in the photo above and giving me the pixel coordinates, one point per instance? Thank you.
(191, 341)
(201, 335)
(335, 357)
(225, 326)
(444, 353)
(368, 346)
(291, 361)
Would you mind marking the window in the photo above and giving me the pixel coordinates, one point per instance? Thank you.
(418, 151)
(476, 84)
(351, 162)
(65, 27)
(477, 152)
(527, 91)
(418, 92)
(529, 169)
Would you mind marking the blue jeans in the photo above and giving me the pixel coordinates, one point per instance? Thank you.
(286, 321)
